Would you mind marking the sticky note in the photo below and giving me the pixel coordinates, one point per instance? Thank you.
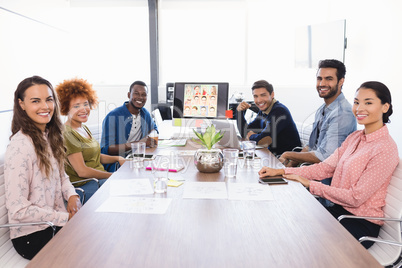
(177, 122)
(229, 114)
(173, 183)
(198, 122)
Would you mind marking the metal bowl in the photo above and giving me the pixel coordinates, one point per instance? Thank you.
(208, 161)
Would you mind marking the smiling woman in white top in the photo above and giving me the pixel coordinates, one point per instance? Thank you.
(35, 182)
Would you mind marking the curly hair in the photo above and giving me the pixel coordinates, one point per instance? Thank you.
(73, 88)
(21, 121)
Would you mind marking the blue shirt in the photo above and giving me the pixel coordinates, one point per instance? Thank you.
(279, 125)
(117, 126)
(337, 123)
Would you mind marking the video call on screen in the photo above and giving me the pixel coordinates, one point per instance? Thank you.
(200, 100)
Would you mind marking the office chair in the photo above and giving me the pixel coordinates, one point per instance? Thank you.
(165, 111)
(82, 195)
(388, 245)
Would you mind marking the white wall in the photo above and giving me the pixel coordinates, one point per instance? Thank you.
(5, 121)
(374, 34)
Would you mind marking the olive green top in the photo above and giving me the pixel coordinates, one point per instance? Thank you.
(90, 149)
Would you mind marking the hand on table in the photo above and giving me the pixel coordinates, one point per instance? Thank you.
(266, 171)
(151, 142)
(121, 160)
(294, 177)
(73, 205)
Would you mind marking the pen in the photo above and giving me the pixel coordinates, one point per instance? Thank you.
(170, 169)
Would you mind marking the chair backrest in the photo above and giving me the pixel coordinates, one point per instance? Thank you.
(8, 256)
(165, 110)
(4, 232)
(384, 253)
(305, 128)
(156, 115)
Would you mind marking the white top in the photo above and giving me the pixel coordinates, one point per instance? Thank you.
(31, 196)
(135, 132)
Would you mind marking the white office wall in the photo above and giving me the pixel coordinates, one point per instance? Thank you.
(107, 45)
(202, 41)
(258, 44)
(266, 42)
(374, 33)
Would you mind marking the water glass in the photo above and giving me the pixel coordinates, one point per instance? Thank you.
(248, 152)
(138, 153)
(230, 157)
(160, 170)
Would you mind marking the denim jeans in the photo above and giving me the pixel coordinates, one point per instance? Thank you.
(90, 188)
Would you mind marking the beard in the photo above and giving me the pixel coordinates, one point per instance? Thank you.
(330, 93)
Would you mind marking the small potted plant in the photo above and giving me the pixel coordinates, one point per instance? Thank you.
(208, 159)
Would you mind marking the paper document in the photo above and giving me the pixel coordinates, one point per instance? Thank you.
(130, 187)
(205, 190)
(172, 143)
(178, 152)
(131, 204)
(249, 191)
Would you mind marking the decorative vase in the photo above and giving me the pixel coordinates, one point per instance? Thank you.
(208, 161)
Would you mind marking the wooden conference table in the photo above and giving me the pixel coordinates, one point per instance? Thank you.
(293, 230)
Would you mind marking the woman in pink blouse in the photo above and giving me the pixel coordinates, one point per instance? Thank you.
(361, 168)
(35, 182)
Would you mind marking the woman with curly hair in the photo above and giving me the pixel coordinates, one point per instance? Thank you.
(84, 158)
(35, 182)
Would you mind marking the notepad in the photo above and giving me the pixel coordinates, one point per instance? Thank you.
(174, 183)
(172, 143)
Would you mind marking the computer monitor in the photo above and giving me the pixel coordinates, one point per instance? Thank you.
(198, 100)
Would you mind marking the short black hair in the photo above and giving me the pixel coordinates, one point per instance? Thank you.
(264, 84)
(338, 65)
(138, 83)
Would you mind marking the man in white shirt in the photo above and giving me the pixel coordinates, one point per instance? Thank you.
(129, 123)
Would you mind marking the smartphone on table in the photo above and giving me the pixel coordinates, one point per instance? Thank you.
(146, 156)
(273, 180)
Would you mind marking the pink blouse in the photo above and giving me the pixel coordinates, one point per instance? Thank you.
(30, 195)
(361, 171)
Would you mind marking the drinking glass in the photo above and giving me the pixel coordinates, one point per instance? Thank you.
(230, 157)
(160, 170)
(138, 153)
(249, 152)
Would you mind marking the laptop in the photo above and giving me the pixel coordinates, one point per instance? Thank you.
(231, 138)
(231, 133)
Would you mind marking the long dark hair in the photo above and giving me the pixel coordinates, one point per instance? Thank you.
(383, 93)
(21, 121)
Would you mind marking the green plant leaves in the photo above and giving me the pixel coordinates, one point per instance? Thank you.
(209, 138)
